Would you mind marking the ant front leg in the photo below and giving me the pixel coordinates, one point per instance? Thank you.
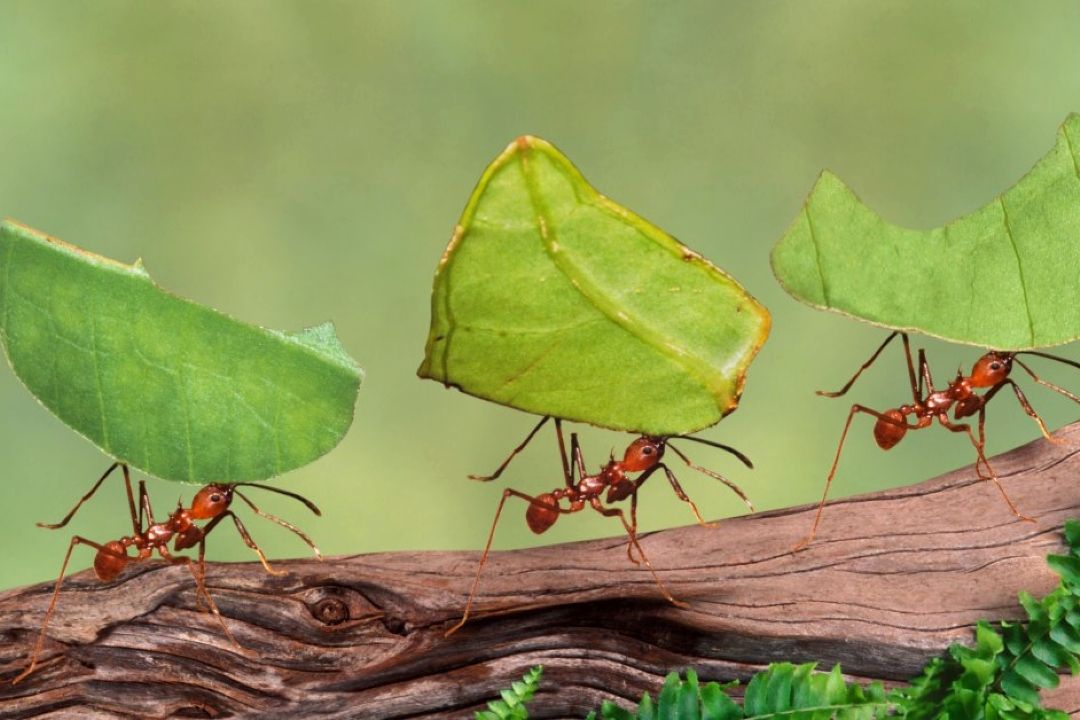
(631, 532)
(515, 451)
(507, 493)
(75, 540)
(979, 448)
(679, 492)
(1026, 406)
(283, 523)
(864, 366)
(1047, 383)
(245, 536)
(711, 473)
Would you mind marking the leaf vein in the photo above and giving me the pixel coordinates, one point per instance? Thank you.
(817, 255)
(1019, 267)
(633, 326)
(185, 404)
(97, 370)
(1072, 152)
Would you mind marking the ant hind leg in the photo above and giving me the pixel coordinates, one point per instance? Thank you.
(75, 540)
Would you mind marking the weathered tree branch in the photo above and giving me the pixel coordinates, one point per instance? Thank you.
(893, 578)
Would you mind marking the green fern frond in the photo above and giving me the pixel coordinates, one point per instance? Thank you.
(1002, 675)
(512, 704)
(781, 692)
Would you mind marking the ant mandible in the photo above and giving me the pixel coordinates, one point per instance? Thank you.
(210, 503)
(990, 371)
(610, 484)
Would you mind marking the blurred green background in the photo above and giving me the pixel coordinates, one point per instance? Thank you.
(290, 162)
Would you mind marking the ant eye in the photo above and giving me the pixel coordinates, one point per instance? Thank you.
(647, 451)
(215, 498)
(995, 366)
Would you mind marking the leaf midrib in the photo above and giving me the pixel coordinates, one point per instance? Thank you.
(713, 384)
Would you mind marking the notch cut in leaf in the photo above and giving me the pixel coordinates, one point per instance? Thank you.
(173, 388)
(553, 299)
(1006, 276)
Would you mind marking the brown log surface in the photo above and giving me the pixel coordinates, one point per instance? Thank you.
(892, 580)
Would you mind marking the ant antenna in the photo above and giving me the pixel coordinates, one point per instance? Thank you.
(1047, 383)
(295, 496)
(279, 521)
(712, 443)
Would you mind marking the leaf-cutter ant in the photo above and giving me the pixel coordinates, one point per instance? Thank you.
(991, 372)
(611, 484)
(210, 503)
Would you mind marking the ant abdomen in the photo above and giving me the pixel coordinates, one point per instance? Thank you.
(890, 430)
(542, 513)
(110, 560)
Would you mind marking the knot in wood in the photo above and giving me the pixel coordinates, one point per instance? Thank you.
(331, 611)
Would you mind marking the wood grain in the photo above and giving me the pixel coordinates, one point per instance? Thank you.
(893, 579)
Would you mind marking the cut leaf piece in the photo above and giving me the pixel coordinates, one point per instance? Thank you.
(173, 388)
(1003, 277)
(552, 299)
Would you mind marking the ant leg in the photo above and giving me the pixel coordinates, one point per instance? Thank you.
(864, 366)
(681, 494)
(200, 582)
(283, 523)
(1022, 399)
(575, 449)
(926, 381)
(567, 468)
(246, 537)
(1047, 383)
(75, 540)
(836, 461)
(508, 492)
(1052, 386)
(711, 473)
(631, 532)
(979, 448)
(633, 523)
(982, 444)
(144, 505)
(94, 489)
(513, 453)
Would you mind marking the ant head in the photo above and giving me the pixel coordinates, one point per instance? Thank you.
(991, 368)
(211, 501)
(643, 453)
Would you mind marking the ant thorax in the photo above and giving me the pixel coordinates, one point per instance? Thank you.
(610, 474)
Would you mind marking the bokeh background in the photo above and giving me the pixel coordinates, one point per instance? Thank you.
(290, 162)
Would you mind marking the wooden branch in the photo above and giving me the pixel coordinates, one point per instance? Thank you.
(893, 579)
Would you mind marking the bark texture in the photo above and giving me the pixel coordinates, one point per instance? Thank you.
(892, 580)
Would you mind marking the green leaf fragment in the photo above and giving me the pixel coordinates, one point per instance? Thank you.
(1004, 276)
(173, 388)
(553, 299)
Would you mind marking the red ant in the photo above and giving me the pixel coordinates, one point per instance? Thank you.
(609, 485)
(990, 371)
(210, 503)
